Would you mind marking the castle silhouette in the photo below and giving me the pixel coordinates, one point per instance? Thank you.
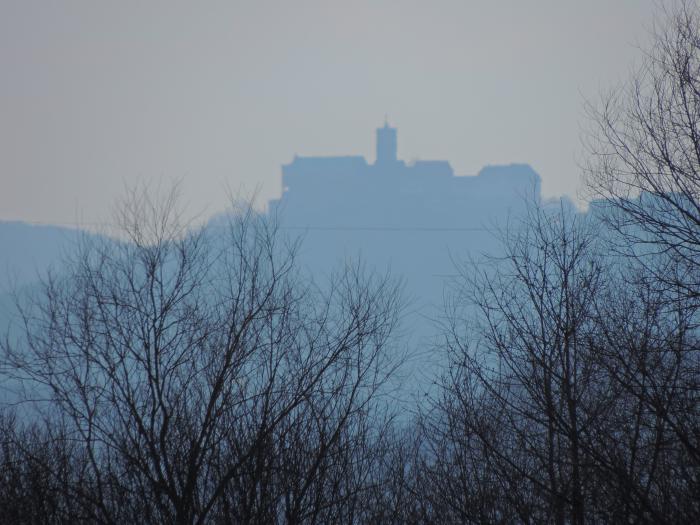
(417, 221)
(347, 191)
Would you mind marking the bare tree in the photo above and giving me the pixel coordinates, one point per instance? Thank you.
(644, 153)
(647, 343)
(645, 166)
(520, 393)
(36, 466)
(201, 377)
(571, 395)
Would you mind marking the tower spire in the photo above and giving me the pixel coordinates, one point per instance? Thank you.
(386, 144)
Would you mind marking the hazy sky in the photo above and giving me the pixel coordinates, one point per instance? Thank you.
(98, 95)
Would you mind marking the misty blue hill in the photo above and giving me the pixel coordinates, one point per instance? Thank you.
(27, 251)
(416, 220)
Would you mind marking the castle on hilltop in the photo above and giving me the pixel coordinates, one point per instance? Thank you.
(347, 191)
(413, 220)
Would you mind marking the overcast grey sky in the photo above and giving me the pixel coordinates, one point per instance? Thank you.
(95, 95)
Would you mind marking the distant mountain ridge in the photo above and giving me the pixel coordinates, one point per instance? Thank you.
(27, 251)
(416, 221)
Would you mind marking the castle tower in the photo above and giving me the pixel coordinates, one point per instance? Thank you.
(386, 144)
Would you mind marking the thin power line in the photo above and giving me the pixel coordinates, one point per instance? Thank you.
(389, 228)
